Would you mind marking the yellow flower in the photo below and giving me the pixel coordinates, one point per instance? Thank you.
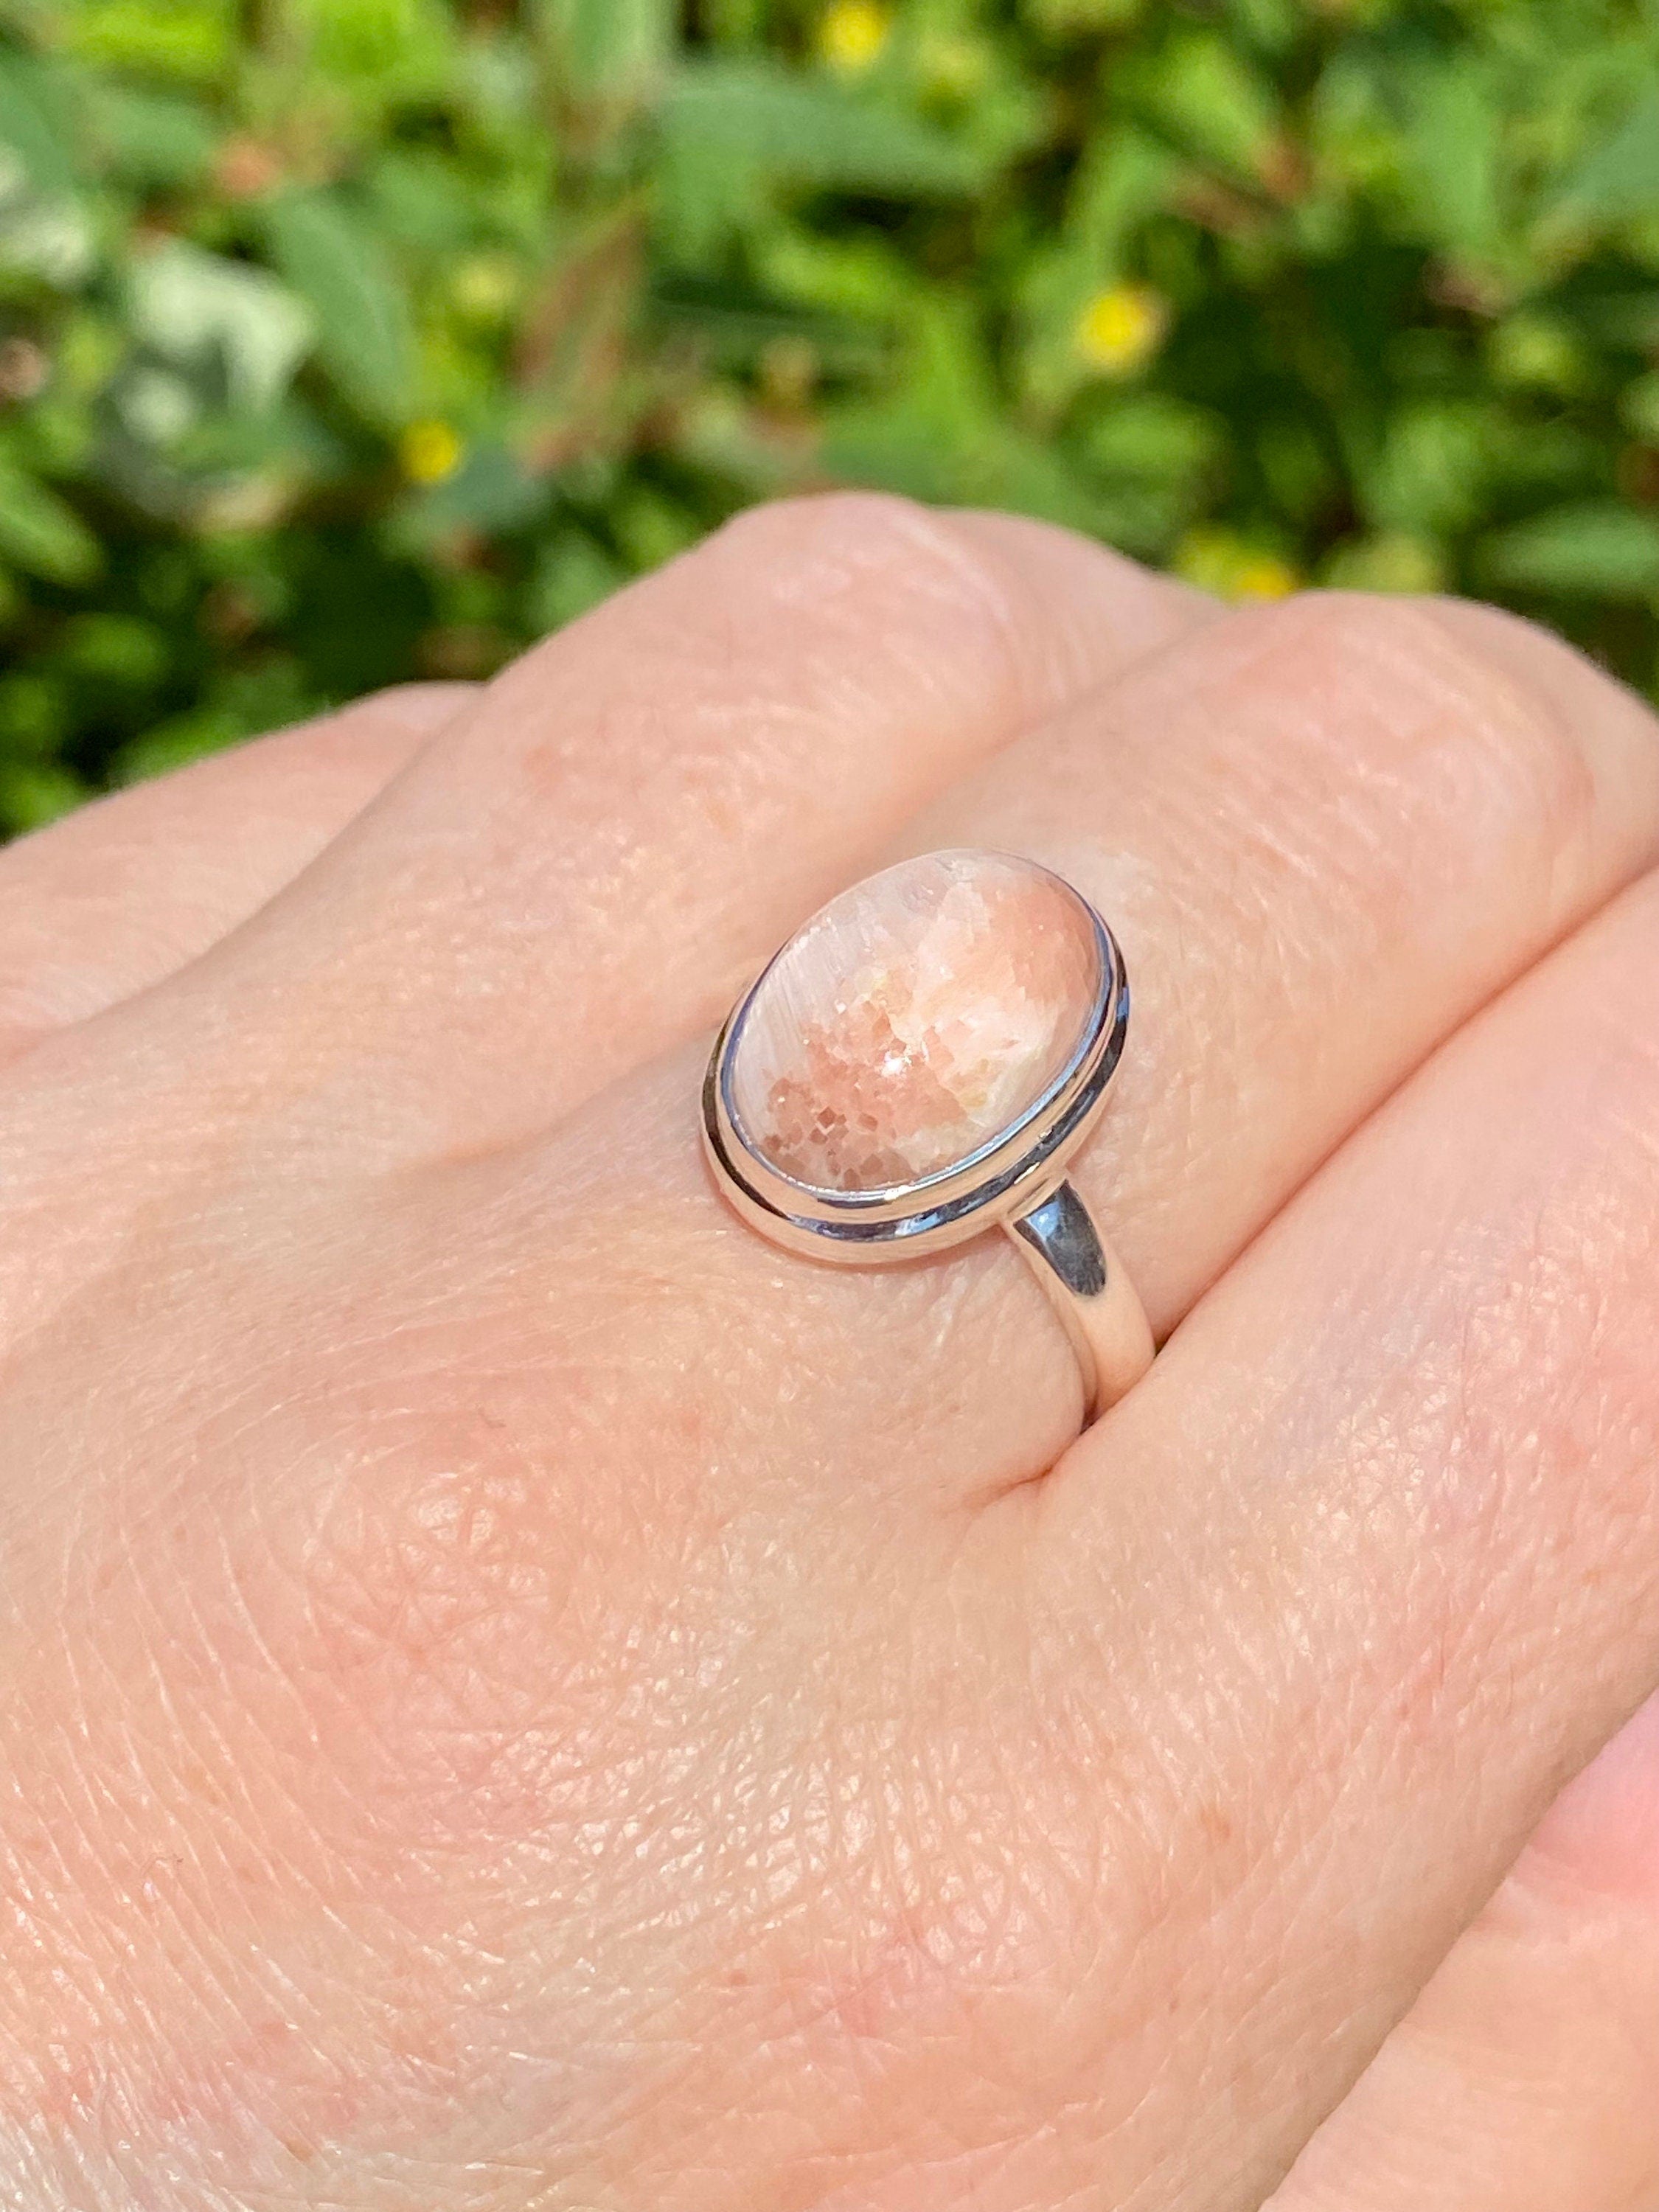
(1263, 576)
(485, 287)
(1393, 561)
(429, 451)
(955, 67)
(1219, 561)
(1122, 328)
(852, 32)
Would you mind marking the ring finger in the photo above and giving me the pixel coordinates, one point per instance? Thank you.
(1326, 833)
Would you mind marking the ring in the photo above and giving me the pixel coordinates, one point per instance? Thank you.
(918, 1065)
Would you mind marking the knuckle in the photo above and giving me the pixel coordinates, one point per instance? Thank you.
(897, 568)
(1509, 673)
(1458, 708)
(423, 703)
(859, 531)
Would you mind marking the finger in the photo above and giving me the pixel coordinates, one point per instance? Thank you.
(108, 901)
(632, 814)
(1326, 833)
(1371, 1565)
(1522, 2078)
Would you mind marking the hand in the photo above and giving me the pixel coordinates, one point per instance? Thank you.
(518, 1695)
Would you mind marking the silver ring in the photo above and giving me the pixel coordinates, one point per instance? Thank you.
(920, 1064)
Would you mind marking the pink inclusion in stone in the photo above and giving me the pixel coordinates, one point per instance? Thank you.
(913, 1021)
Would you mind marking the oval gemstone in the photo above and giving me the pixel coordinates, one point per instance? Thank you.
(913, 1022)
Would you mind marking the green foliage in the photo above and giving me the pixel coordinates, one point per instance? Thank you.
(344, 341)
(335, 261)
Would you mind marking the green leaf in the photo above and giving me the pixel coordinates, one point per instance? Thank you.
(571, 575)
(1599, 548)
(271, 696)
(185, 38)
(114, 649)
(31, 795)
(1210, 99)
(1127, 178)
(34, 714)
(1620, 178)
(32, 128)
(812, 132)
(52, 239)
(1403, 256)
(41, 533)
(352, 38)
(941, 435)
(1639, 405)
(1455, 146)
(1434, 469)
(1150, 436)
(610, 50)
(1390, 563)
(1625, 319)
(490, 491)
(152, 138)
(178, 743)
(417, 199)
(338, 265)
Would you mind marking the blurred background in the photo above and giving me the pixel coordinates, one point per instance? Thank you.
(343, 341)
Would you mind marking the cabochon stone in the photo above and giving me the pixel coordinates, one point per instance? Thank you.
(909, 1023)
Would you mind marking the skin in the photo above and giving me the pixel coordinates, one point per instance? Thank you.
(515, 1695)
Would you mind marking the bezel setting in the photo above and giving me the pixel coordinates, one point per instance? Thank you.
(1003, 1178)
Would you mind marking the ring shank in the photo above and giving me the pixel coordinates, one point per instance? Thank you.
(1090, 1291)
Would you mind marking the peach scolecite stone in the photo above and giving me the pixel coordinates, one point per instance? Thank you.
(913, 1021)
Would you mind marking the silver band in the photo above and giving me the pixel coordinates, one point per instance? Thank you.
(1089, 1289)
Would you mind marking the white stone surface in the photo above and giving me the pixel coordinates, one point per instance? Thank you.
(913, 1020)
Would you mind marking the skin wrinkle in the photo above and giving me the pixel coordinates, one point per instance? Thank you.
(1468, 2065)
(1523, 1223)
(206, 1956)
(193, 852)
